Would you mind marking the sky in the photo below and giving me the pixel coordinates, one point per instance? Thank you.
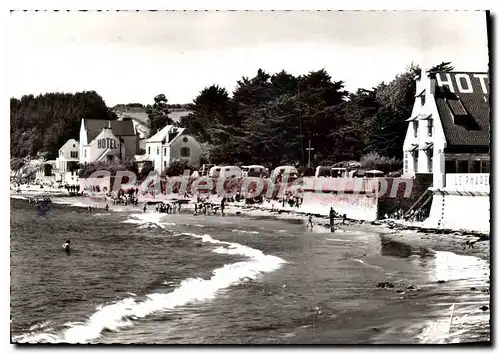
(132, 56)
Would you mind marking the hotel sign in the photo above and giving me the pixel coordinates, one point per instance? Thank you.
(479, 182)
(106, 143)
(464, 82)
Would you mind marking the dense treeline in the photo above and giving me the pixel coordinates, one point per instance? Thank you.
(270, 119)
(42, 124)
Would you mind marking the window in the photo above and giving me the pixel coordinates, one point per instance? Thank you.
(164, 164)
(149, 150)
(415, 129)
(110, 157)
(185, 152)
(450, 166)
(85, 152)
(475, 166)
(485, 166)
(157, 151)
(73, 145)
(74, 154)
(415, 162)
(463, 166)
(164, 151)
(185, 139)
(405, 165)
(422, 99)
(430, 152)
(430, 127)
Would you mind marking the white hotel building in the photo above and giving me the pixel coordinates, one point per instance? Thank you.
(449, 137)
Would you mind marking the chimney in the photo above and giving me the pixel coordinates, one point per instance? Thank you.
(432, 83)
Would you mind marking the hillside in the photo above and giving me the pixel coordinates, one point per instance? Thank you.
(138, 114)
(140, 120)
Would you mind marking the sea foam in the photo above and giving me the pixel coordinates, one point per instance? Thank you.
(121, 314)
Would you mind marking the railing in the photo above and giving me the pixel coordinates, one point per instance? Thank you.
(468, 182)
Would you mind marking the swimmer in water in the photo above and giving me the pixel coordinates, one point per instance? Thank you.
(66, 246)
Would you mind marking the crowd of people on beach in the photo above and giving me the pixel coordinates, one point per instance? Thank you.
(418, 215)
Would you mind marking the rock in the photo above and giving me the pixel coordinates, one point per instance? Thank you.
(484, 308)
(385, 285)
(411, 287)
(473, 288)
(400, 291)
(284, 285)
(441, 281)
(375, 329)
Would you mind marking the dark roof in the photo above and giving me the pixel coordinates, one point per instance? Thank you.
(464, 110)
(118, 127)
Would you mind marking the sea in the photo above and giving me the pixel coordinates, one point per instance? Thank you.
(143, 277)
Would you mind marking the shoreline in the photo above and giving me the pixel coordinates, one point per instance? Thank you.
(412, 234)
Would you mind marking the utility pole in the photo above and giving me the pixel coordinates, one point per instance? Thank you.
(300, 119)
(309, 149)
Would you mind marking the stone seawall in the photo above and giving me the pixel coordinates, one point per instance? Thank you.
(460, 211)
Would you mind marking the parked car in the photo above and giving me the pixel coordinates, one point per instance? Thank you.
(254, 171)
(323, 171)
(231, 172)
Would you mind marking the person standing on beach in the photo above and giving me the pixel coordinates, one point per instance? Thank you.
(332, 219)
(222, 205)
(107, 207)
(144, 208)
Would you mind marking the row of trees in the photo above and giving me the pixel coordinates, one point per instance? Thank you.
(271, 118)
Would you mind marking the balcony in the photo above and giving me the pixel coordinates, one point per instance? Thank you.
(468, 182)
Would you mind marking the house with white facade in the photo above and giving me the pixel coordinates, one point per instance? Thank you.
(107, 140)
(448, 137)
(170, 144)
(68, 155)
(67, 161)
